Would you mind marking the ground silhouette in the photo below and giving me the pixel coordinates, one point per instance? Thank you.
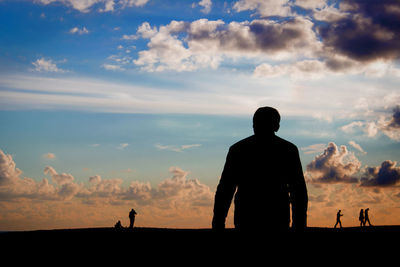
(264, 173)
(202, 246)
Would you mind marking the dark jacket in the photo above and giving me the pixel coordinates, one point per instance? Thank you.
(267, 176)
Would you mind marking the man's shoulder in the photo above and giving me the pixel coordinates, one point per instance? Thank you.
(243, 143)
(251, 141)
(286, 143)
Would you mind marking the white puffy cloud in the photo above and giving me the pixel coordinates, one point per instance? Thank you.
(85, 6)
(310, 4)
(265, 8)
(351, 127)
(206, 43)
(46, 65)
(12, 185)
(381, 122)
(79, 31)
(9, 173)
(131, 3)
(178, 192)
(329, 14)
(206, 4)
(108, 6)
(59, 179)
(334, 165)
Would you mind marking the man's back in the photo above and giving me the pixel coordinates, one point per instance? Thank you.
(262, 171)
(265, 172)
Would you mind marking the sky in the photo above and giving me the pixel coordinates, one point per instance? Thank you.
(108, 105)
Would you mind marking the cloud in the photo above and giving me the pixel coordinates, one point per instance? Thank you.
(355, 36)
(131, 3)
(46, 65)
(122, 146)
(368, 32)
(311, 4)
(334, 165)
(176, 148)
(179, 192)
(385, 175)
(13, 186)
(129, 37)
(312, 149)
(176, 192)
(206, 4)
(392, 127)
(357, 146)
(117, 62)
(105, 5)
(351, 127)
(112, 67)
(301, 70)
(108, 6)
(326, 66)
(265, 8)
(76, 30)
(59, 179)
(389, 125)
(49, 156)
(329, 14)
(175, 201)
(8, 171)
(205, 43)
(82, 6)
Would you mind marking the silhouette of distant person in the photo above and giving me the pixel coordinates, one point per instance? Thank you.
(132, 215)
(366, 218)
(338, 215)
(361, 218)
(118, 225)
(266, 173)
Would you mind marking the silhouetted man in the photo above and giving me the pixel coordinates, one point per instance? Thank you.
(265, 172)
(366, 218)
(361, 218)
(338, 215)
(132, 215)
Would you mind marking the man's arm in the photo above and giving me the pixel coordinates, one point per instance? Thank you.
(224, 194)
(298, 194)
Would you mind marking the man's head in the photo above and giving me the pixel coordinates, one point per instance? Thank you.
(266, 121)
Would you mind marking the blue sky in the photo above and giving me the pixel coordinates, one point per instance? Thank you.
(137, 91)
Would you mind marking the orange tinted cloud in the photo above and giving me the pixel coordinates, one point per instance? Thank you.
(175, 202)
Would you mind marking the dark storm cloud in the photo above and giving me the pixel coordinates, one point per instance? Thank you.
(370, 30)
(381, 176)
(395, 122)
